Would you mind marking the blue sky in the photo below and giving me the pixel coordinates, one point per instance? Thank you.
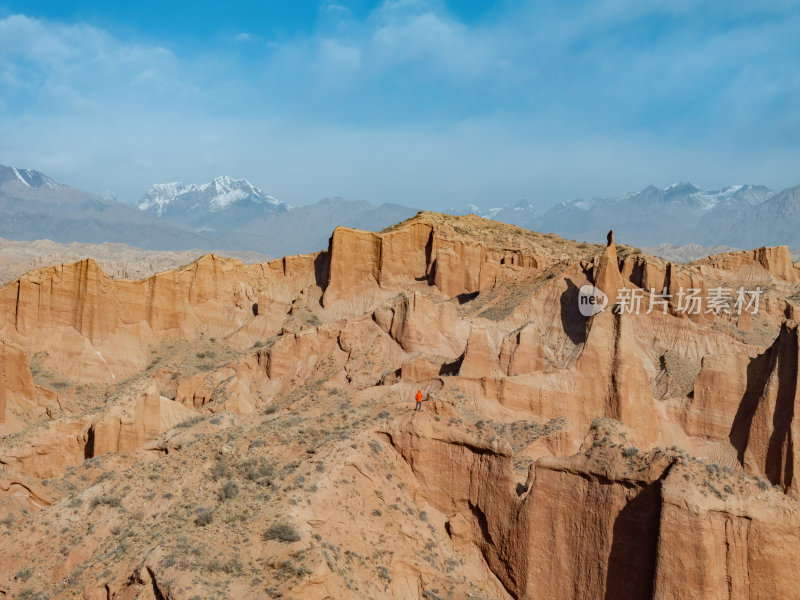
(425, 103)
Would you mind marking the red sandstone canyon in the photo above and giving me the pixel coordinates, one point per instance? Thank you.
(230, 430)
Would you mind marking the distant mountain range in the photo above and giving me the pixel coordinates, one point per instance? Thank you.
(681, 213)
(212, 209)
(234, 215)
(738, 216)
(33, 206)
(223, 215)
(522, 214)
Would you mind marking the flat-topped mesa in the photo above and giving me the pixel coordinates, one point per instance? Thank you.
(459, 255)
(774, 260)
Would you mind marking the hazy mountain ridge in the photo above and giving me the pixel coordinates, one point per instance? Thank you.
(33, 206)
(240, 216)
(681, 213)
(216, 208)
(225, 214)
(234, 215)
(521, 214)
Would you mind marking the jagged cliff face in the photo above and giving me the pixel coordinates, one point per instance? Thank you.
(110, 386)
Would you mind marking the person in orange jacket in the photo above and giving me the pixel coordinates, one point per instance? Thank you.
(419, 400)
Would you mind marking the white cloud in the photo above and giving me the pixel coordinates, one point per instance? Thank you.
(62, 67)
(547, 103)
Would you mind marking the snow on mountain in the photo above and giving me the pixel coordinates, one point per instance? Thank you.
(679, 213)
(27, 178)
(680, 196)
(215, 208)
(214, 196)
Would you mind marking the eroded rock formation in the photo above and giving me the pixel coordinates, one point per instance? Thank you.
(283, 393)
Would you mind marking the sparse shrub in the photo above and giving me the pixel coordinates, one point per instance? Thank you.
(423, 516)
(232, 567)
(384, 414)
(283, 532)
(707, 483)
(191, 421)
(230, 489)
(104, 476)
(630, 452)
(290, 468)
(383, 573)
(221, 470)
(105, 500)
(258, 470)
(168, 561)
(376, 446)
(376, 513)
(204, 517)
(763, 484)
(728, 489)
(23, 574)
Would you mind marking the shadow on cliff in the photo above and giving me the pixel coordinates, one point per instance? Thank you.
(779, 466)
(632, 561)
(573, 322)
(781, 359)
(322, 270)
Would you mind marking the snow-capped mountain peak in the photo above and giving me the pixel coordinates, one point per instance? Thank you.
(27, 178)
(216, 207)
(160, 195)
(214, 196)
